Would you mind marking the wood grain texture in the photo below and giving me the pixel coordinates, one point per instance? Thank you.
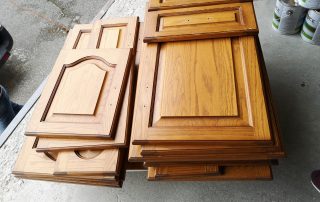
(38, 166)
(225, 20)
(78, 37)
(163, 154)
(121, 139)
(96, 162)
(56, 113)
(220, 164)
(274, 150)
(187, 170)
(170, 4)
(251, 123)
(163, 150)
(197, 81)
(114, 33)
(110, 33)
(259, 172)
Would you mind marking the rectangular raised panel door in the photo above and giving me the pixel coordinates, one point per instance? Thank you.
(202, 22)
(170, 4)
(200, 90)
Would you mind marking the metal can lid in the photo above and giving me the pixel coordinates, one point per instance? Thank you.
(290, 2)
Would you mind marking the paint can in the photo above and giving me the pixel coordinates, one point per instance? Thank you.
(311, 27)
(310, 4)
(288, 17)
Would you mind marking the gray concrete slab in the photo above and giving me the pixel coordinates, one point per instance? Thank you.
(38, 29)
(293, 68)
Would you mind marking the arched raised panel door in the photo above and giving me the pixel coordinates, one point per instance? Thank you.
(83, 94)
(79, 89)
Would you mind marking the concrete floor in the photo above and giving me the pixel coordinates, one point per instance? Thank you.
(293, 68)
(39, 30)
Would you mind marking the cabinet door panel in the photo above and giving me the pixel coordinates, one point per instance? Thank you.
(83, 95)
(110, 33)
(121, 137)
(114, 33)
(186, 93)
(97, 162)
(200, 22)
(242, 172)
(78, 37)
(170, 4)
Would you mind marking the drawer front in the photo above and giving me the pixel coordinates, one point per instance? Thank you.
(200, 22)
(170, 4)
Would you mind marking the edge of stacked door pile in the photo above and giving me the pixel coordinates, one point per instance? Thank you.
(184, 95)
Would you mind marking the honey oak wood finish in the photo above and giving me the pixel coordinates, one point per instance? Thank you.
(221, 165)
(170, 4)
(225, 20)
(128, 28)
(114, 33)
(186, 171)
(103, 34)
(33, 165)
(258, 172)
(83, 94)
(96, 162)
(157, 119)
(208, 152)
(121, 138)
(78, 37)
(136, 150)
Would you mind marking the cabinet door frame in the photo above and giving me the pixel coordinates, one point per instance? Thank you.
(203, 22)
(257, 132)
(155, 5)
(102, 125)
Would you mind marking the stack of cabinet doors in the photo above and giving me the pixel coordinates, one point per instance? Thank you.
(79, 131)
(199, 109)
(203, 108)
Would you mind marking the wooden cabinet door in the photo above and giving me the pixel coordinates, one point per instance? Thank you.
(110, 33)
(83, 95)
(201, 90)
(78, 37)
(170, 4)
(114, 33)
(204, 22)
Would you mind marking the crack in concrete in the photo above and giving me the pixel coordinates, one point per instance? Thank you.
(63, 8)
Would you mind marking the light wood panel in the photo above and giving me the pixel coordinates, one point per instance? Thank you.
(203, 163)
(83, 95)
(125, 26)
(258, 172)
(225, 20)
(151, 124)
(33, 165)
(121, 137)
(78, 37)
(114, 33)
(209, 152)
(205, 89)
(96, 162)
(186, 150)
(187, 171)
(170, 4)
(103, 34)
